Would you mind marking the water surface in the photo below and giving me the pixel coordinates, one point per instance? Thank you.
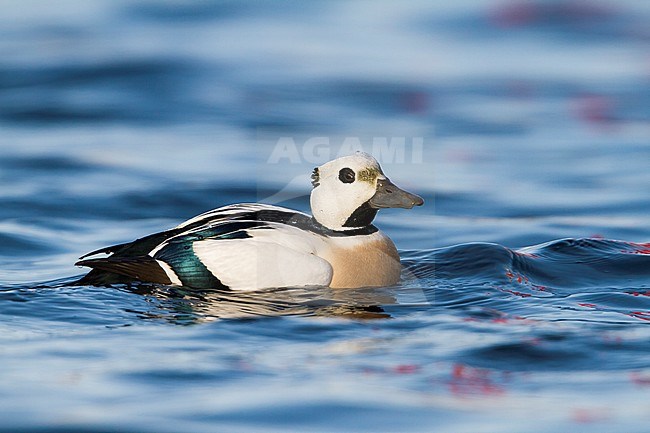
(526, 293)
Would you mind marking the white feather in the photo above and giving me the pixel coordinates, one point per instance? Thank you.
(233, 209)
(333, 201)
(281, 257)
(170, 273)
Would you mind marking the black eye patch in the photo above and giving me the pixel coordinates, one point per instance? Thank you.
(346, 175)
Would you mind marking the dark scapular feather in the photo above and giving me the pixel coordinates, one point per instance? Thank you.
(142, 268)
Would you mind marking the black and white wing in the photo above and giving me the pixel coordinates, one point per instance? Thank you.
(240, 247)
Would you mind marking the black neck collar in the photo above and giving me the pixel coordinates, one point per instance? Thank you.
(317, 227)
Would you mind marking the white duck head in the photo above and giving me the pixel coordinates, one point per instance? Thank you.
(349, 191)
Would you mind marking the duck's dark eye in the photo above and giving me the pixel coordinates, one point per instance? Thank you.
(346, 175)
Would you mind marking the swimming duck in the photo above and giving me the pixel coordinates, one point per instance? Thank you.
(257, 246)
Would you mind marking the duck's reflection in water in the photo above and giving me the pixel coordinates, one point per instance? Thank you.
(184, 306)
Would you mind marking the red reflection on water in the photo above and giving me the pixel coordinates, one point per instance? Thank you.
(501, 319)
(612, 339)
(526, 13)
(398, 369)
(516, 293)
(595, 109)
(589, 415)
(520, 278)
(514, 14)
(406, 369)
(639, 248)
(643, 315)
(640, 379)
(466, 380)
(415, 102)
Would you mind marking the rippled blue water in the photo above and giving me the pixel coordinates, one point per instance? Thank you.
(526, 295)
